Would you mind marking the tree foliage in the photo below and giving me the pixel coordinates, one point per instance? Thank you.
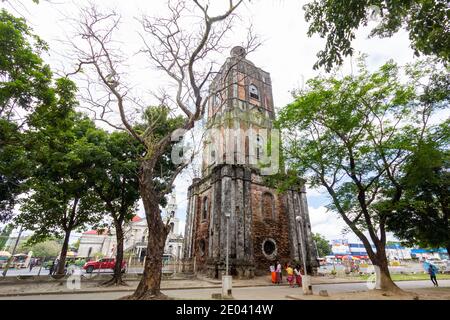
(48, 248)
(423, 216)
(426, 21)
(354, 136)
(25, 85)
(64, 148)
(322, 244)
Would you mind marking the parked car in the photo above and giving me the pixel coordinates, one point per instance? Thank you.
(105, 263)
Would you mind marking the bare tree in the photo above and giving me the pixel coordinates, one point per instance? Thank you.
(186, 55)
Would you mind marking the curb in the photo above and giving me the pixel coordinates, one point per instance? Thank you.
(127, 290)
(120, 290)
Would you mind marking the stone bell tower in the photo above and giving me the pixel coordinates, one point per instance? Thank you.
(241, 148)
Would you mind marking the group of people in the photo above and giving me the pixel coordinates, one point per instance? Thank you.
(33, 263)
(294, 274)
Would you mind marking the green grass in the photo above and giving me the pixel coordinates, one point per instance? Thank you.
(406, 277)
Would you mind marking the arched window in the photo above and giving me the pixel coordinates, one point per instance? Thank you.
(254, 93)
(172, 225)
(268, 206)
(205, 208)
(247, 148)
(259, 147)
(202, 247)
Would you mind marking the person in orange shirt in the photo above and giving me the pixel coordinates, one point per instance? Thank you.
(273, 273)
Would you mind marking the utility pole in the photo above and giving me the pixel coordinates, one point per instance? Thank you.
(13, 252)
(306, 285)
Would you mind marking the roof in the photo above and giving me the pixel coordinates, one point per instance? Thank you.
(96, 232)
(136, 218)
(90, 232)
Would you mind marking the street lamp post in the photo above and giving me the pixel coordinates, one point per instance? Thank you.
(227, 279)
(307, 289)
(228, 245)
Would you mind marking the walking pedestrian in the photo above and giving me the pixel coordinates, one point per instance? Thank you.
(432, 273)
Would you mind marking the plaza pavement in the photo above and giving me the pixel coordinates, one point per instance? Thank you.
(357, 290)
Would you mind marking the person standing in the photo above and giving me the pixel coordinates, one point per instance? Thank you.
(278, 271)
(290, 275)
(52, 267)
(55, 269)
(432, 273)
(298, 276)
(273, 273)
(31, 264)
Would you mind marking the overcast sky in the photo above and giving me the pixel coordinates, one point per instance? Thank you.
(286, 53)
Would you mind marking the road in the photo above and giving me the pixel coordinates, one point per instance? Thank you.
(44, 272)
(251, 293)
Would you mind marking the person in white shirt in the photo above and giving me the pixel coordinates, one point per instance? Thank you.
(278, 271)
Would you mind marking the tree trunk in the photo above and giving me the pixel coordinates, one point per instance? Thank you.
(117, 277)
(386, 283)
(149, 286)
(63, 255)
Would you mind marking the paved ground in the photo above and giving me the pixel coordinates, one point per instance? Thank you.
(253, 293)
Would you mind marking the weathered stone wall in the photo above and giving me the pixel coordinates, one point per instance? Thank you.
(269, 228)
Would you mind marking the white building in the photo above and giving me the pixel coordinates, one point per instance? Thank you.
(135, 237)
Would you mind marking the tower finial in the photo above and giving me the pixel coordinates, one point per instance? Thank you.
(239, 52)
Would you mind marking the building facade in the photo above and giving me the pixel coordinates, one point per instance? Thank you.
(263, 225)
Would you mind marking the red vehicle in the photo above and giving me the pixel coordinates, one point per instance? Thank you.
(105, 263)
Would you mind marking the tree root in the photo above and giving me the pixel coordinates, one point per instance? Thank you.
(147, 296)
(114, 281)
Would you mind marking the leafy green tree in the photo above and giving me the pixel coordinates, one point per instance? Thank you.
(65, 149)
(353, 135)
(116, 183)
(76, 245)
(46, 249)
(25, 85)
(322, 244)
(427, 22)
(423, 215)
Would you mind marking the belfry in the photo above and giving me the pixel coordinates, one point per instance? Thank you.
(240, 152)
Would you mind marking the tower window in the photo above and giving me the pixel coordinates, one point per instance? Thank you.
(254, 93)
(205, 208)
(259, 147)
(202, 247)
(268, 206)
